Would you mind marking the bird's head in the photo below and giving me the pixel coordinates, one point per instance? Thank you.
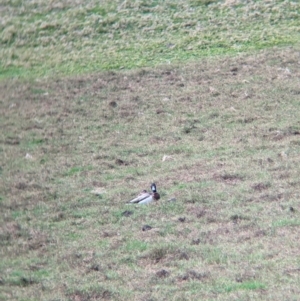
(153, 187)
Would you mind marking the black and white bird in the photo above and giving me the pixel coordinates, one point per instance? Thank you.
(146, 197)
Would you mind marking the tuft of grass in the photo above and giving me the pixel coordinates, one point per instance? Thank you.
(134, 246)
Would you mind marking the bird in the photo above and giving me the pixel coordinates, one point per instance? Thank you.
(146, 197)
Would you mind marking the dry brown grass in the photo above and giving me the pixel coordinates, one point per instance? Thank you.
(222, 136)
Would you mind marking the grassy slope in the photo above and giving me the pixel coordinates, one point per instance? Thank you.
(231, 130)
(49, 38)
(221, 135)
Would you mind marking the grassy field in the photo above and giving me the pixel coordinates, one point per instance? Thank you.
(219, 132)
(48, 38)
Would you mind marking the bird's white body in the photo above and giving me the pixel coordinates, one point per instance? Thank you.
(146, 197)
(143, 198)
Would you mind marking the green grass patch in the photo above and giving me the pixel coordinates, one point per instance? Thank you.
(76, 170)
(74, 39)
(247, 285)
(135, 246)
(20, 278)
(291, 222)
